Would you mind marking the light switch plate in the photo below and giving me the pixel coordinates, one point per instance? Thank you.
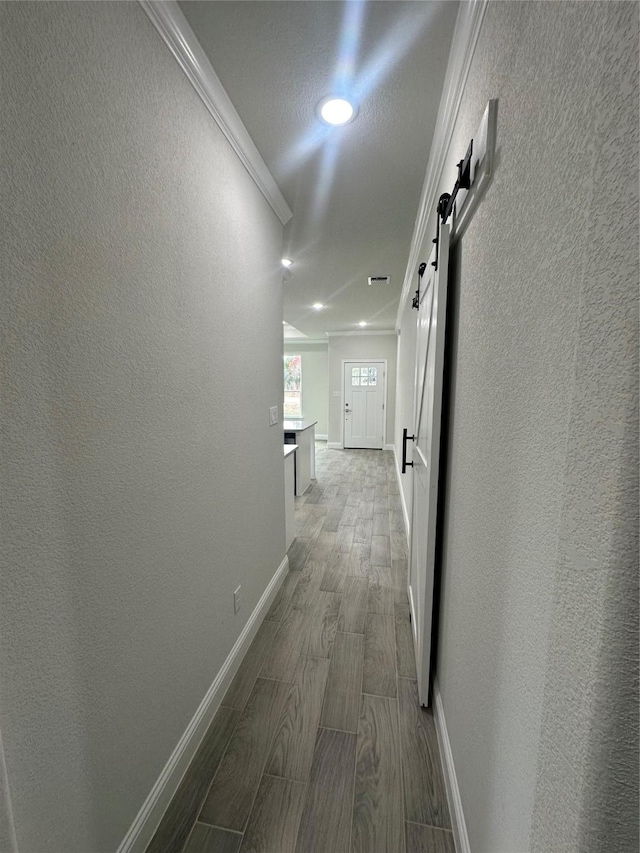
(337, 393)
(273, 415)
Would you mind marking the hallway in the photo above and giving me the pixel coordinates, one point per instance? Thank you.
(179, 214)
(320, 744)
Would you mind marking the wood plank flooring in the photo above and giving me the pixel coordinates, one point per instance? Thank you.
(378, 824)
(320, 745)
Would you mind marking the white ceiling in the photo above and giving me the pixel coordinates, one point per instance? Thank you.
(354, 190)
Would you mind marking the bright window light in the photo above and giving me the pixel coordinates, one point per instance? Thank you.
(317, 306)
(286, 262)
(293, 386)
(336, 111)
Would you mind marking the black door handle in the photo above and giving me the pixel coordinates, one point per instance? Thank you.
(406, 438)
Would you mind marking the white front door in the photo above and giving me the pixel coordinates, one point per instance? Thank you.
(426, 455)
(364, 404)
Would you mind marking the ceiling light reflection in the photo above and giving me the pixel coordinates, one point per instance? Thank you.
(326, 172)
(356, 87)
(388, 53)
(350, 35)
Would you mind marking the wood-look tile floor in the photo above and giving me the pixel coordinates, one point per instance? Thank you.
(320, 745)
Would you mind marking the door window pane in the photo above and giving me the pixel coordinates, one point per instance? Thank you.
(364, 376)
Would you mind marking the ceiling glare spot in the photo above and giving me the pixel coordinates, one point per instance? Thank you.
(317, 306)
(336, 111)
(286, 262)
(362, 323)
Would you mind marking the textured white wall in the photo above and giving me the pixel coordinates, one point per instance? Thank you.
(361, 346)
(315, 382)
(537, 657)
(137, 255)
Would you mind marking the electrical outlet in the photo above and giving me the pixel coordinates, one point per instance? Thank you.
(273, 415)
(236, 599)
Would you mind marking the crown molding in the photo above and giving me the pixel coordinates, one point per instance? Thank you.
(465, 37)
(171, 24)
(303, 341)
(357, 334)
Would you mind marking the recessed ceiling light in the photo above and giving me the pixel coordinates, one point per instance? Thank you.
(362, 323)
(317, 306)
(284, 322)
(286, 262)
(336, 111)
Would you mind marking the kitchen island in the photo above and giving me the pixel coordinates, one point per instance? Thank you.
(289, 492)
(302, 433)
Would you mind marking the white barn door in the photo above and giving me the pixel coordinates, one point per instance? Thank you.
(364, 404)
(426, 454)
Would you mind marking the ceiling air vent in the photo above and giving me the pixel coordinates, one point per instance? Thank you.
(379, 279)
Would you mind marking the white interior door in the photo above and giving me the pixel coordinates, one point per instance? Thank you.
(364, 404)
(426, 454)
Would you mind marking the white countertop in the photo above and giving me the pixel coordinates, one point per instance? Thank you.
(297, 426)
(289, 448)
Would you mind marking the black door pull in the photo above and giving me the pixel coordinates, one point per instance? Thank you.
(406, 438)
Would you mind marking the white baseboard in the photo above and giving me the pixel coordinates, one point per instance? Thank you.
(335, 445)
(148, 818)
(321, 437)
(405, 511)
(450, 779)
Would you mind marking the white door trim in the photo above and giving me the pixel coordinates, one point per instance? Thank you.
(384, 395)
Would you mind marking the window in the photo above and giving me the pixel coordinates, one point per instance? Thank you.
(293, 386)
(364, 376)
